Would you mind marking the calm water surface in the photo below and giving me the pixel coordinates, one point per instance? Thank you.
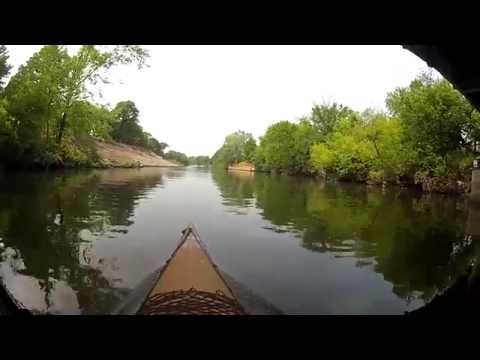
(79, 242)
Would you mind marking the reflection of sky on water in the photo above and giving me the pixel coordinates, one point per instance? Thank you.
(28, 291)
(307, 247)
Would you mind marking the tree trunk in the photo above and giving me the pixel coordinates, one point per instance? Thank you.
(61, 128)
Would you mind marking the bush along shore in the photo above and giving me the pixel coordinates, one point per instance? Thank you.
(425, 138)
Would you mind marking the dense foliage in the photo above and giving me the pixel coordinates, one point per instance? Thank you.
(125, 128)
(47, 117)
(199, 160)
(4, 66)
(425, 138)
(238, 146)
(177, 157)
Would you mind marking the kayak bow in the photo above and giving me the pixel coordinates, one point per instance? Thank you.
(190, 284)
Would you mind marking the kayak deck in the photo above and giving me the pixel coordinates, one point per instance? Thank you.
(190, 268)
(190, 283)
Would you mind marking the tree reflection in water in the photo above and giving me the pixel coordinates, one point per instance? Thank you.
(68, 244)
(48, 225)
(416, 241)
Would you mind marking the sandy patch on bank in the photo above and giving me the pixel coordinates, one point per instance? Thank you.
(116, 154)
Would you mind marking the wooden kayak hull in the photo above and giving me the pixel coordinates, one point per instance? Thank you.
(190, 283)
(243, 299)
(251, 302)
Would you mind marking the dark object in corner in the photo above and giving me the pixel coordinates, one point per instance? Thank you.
(462, 298)
(457, 63)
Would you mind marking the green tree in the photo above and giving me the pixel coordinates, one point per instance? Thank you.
(238, 146)
(4, 66)
(91, 120)
(87, 67)
(437, 118)
(177, 157)
(346, 154)
(33, 98)
(54, 81)
(305, 136)
(46, 101)
(126, 127)
(249, 148)
(277, 144)
(393, 155)
(199, 160)
(259, 156)
(440, 125)
(156, 146)
(325, 117)
(6, 132)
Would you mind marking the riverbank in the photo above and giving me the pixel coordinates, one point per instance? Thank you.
(100, 155)
(114, 154)
(438, 185)
(242, 166)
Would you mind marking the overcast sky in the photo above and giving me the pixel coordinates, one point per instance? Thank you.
(191, 97)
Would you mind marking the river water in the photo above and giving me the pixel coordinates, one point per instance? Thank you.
(77, 242)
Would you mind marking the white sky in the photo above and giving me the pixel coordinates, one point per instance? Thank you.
(191, 97)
